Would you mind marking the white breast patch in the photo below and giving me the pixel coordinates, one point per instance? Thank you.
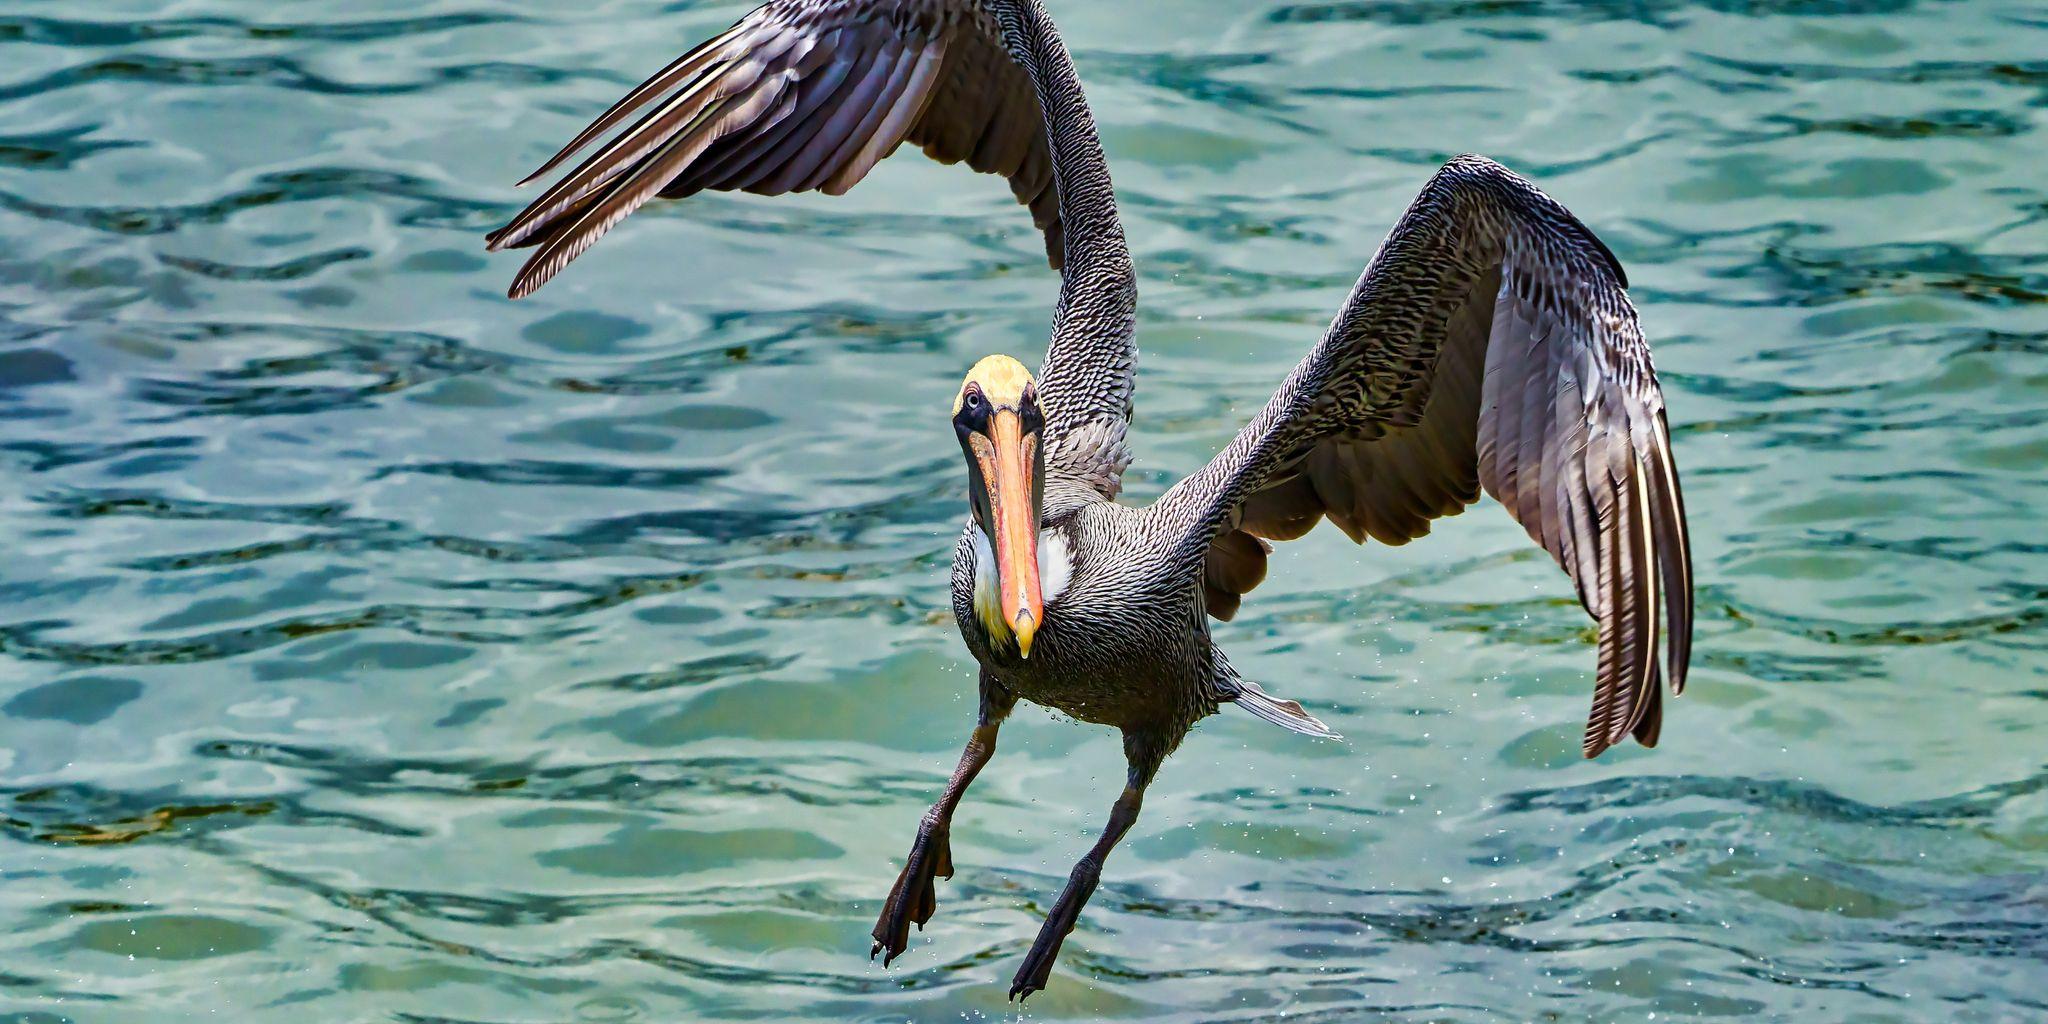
(1055, 565)
(1055, 571)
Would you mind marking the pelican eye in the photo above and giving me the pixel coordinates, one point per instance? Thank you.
(974, 409)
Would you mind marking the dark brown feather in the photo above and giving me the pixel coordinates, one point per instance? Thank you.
(1488, 345)
(799, 97)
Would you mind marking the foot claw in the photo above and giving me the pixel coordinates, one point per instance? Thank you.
(1031, 977)
(1036, 970)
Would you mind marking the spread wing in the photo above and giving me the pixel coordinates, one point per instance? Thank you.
(799, 96)
(811, 94)
(1488, 344)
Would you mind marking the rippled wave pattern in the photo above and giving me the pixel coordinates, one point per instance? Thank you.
(374, 648)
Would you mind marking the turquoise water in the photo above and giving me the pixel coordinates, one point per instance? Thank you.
(376, 649)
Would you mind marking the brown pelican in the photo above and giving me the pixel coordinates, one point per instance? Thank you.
(1489, 344)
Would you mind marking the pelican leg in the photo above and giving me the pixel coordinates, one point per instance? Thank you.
(1144, 757)
(931, 856)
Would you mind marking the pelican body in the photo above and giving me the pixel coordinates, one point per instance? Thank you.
(1489, 344)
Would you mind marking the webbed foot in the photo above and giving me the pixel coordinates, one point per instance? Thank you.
(914, 898)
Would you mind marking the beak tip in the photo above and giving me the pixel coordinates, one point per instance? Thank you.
(1025, 628)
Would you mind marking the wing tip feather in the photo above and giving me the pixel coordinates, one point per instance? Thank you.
(767, 39)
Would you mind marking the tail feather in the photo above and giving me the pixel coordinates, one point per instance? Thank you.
(1286, 714)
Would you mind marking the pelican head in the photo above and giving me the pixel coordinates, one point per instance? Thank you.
(1002, 431)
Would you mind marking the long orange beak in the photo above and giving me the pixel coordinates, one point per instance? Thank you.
(1009, 461)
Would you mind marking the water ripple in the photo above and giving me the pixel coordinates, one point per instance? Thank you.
(372, 647)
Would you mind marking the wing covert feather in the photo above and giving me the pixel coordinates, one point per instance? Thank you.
(1489, 344)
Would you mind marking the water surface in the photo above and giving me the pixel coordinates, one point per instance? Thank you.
(376, 649)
